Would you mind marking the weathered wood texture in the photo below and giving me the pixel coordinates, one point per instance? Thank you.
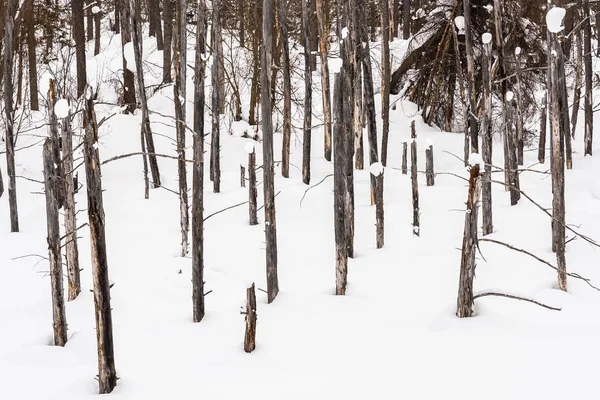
(250, 335)
(287, 92)
(268, 166)
(379, 216)
(519, 109)
(406, 19)
(587, 61)
(404, 158)
(473, 134)
(414, 181)
(307, 94)
(429, 171)
(168, 34)
(129, 99)
(252, 190)
(79, 36)
(543, 125)
(323, 24)
(51, 181)
(486, 141)
(107, 377)
(464, 302)
(385, 78)
(215, 157)
(356, 7)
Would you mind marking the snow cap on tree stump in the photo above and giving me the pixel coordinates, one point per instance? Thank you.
(554, 19)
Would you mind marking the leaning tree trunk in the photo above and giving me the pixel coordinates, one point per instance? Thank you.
(32, 59)
(385, 78)
(464, 303)
(307, 95)
(287, 93)
(486, 140)
(587, 60)
(215, 157)
(268, 165)
(8, 109)
(179, 95)
(107, 376)
(51, 181)
(136, 29)
(79, 36)
(168, 25)
(323, 20)
(128, 77)
(198, 171)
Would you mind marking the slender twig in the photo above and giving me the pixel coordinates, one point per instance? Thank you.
(510, 296)
(316, 184)
(141, 153)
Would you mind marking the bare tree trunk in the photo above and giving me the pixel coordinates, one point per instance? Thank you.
(1, 184)
(89, 20)
(543, 123)
(463, 100)
(8, 109)
(404, 158)
(70, 211)
(58, 302)
(307, 95)
(79, 36)
(578, 70)
(564, 108)
(486, 141)
(250, 336)
(405, 19)
(413, 178)
(168, 25)
(587, 59)
(429, 173)
(117, 24)
(348, 58)
(179, 95)
(385, 78)
(471, 76)
(215, 164)
(128, 78)
(519, 98)
(97, 25)
(464, 303)
(107, 376)
(268, 167)
(357, 84)
(511, 157)
(252, 191)
(32, 59)
(154, 17)
(558, 172)
(136, 29)
(287, 93)
(55, 137)
(379, 223)
(198, 170)
(323, 21)
(242, 176)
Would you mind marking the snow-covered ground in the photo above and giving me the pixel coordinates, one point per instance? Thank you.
(394, 335)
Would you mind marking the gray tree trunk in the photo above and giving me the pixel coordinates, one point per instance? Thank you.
(287, 93)
(405, 19)
(107, 376)
(168, 25)
(215, 157)
(578, 33)
(385, 78)
(79, 36)
(587, 60)
(268, 166)
(307, 94)
(414, 181)
(486, 141)
(97, 23)
(128, 77)
(379, 222)
(197, 249)
(250, 335)
(252, 191)
(519, 109)
(471, 76)
(404, 158)
(32, 57)
(9, 112)
(323, 19)
(429, 172)
(356, 7)
(543, 124)
(51, 180)
(464, 302)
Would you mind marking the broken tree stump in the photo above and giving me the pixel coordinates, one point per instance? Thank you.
(377, 171)
(430, 175)
(404, 158)
(250, 336)
(242, 176)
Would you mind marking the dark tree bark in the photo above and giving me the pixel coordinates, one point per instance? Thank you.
(323, 25)
(519, 107)
(578, 33)
(464, 302)
(8, 109)
(307, 94)
(250, 336)
(128, 78)
(471, 76)
(414, 181)
(379, 223)
(348, 58)
(268, 166)
(404, 158)
(179, 96)
(158, 25)
(55, 137)
(51, 180)
(429, 172)
(287, 93)
(107, 376)
(252, 191)
(486, 141)
(136, 29)
(356, 6)
(198, 170)
(215, 157)
(385, 78)
(1, 183)
(242, 176)
(168, 25)
(32, 59)
(79, 36)
(117, 25)
(405, 19)
(543, 123)
(587, 60)
(97, 25)
(89, 20)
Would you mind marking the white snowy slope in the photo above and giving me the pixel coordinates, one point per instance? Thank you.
(394, 335)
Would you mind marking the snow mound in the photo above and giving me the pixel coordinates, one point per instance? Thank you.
(249, 147)
(61, 108)
(129, 56)
(376, 168)
(554, 19)
(335, 64)
(486, 38)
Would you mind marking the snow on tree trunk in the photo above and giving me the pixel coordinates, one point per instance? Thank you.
(268, 166)
(56, 278)
(307, 94)
(107, 376)
(287, 94)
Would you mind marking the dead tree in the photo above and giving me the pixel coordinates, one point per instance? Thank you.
(55, 138)
(79, 36)
(215, 158)
(287, 92)
(252, 191)
(404, 158)
(268, 166)
(51, 180)
(9, 112)
(69, 208)
(97, 23)
(558, 171)
(356, 55)
(405, 19)
(168, 25)
(155, 21)
(486, 136)
(414, 180)
(471, 77)
(107, 376)
(587, 60)
(307, 94)
(385, 78)
(250, 313)
(377, 172)
(128, 78)
(136, 30)
(242, 176)
(32, 57)
(510, 158)
(578, 38)
(179, 95)
(197, 249)
(429, 174)
(347, 57)
(543, 123)
(323, 26)
(519, 107)
(464, 303)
